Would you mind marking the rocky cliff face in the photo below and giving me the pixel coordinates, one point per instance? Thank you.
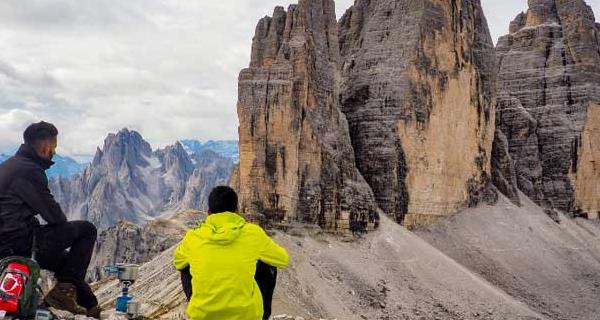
(549, 89)
(418, 92)
(504, 176)
(128, 181)
(296, 158)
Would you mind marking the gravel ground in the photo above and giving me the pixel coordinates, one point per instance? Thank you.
(497, 262)
(552, 267)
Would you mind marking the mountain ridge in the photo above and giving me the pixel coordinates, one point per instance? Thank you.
(129, 181)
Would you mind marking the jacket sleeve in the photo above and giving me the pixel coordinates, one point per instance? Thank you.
(181, 255)
(272, 253)
(34, 191)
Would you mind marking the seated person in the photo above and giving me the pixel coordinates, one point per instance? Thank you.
(222, 256)
(64, 247)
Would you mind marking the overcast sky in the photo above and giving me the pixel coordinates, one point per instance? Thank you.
(167, 68)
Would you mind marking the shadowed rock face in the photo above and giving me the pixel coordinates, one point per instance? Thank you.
(503, 170)
(296, 158)
(549, 87)
(418, 92)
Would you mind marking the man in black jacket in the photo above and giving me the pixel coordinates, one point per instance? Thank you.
(61, 246)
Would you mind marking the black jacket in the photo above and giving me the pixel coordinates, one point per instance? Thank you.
(24, 193)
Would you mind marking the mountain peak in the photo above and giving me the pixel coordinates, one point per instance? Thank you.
(542, 12)
(176, 157)
(128, 181)
(125, 146)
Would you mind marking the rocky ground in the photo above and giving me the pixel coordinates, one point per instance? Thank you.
(551, 263)
(490, 262)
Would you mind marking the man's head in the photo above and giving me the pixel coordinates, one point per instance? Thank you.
(42, 137)
(222, 199)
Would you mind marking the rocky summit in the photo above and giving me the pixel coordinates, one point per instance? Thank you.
(548, 104)
(127, 181)
(296, 157)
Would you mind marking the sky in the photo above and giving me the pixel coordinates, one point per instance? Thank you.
(167, 68)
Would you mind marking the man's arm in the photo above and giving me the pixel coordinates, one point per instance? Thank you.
(272, 253)
(181, 254)
(34, 191)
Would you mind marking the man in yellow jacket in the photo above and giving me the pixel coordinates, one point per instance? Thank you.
(222, 254)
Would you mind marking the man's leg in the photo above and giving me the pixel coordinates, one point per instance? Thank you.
(266, 278)
(186, 282)
(19, 246)
(69, 266)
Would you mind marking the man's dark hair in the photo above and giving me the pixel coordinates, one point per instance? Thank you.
(222, 199)
(38, 132)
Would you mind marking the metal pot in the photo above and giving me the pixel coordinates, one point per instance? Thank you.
(133, 308)
(128, 272)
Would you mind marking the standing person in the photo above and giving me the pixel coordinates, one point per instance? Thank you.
(24, 194)
(222, 256)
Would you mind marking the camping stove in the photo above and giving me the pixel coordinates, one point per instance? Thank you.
(127, 275)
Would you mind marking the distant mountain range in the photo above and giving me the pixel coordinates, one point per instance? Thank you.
(67, 167)
(225, 148)
(64, 166)
(128, 181)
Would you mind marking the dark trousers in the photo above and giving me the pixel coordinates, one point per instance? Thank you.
(66, 250)
(266, 278)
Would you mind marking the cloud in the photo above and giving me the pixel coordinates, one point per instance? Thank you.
(37, 77)
(74, 15)
(15, 120)
(167, 68)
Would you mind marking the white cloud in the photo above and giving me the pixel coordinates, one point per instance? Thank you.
(14, 120)
(167, 68)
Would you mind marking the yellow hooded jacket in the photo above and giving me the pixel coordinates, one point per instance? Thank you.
(222, 255)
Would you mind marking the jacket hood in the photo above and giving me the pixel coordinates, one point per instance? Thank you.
(222, 228)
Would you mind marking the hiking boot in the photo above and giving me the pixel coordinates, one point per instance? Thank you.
(64, 297)
(94, 312)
